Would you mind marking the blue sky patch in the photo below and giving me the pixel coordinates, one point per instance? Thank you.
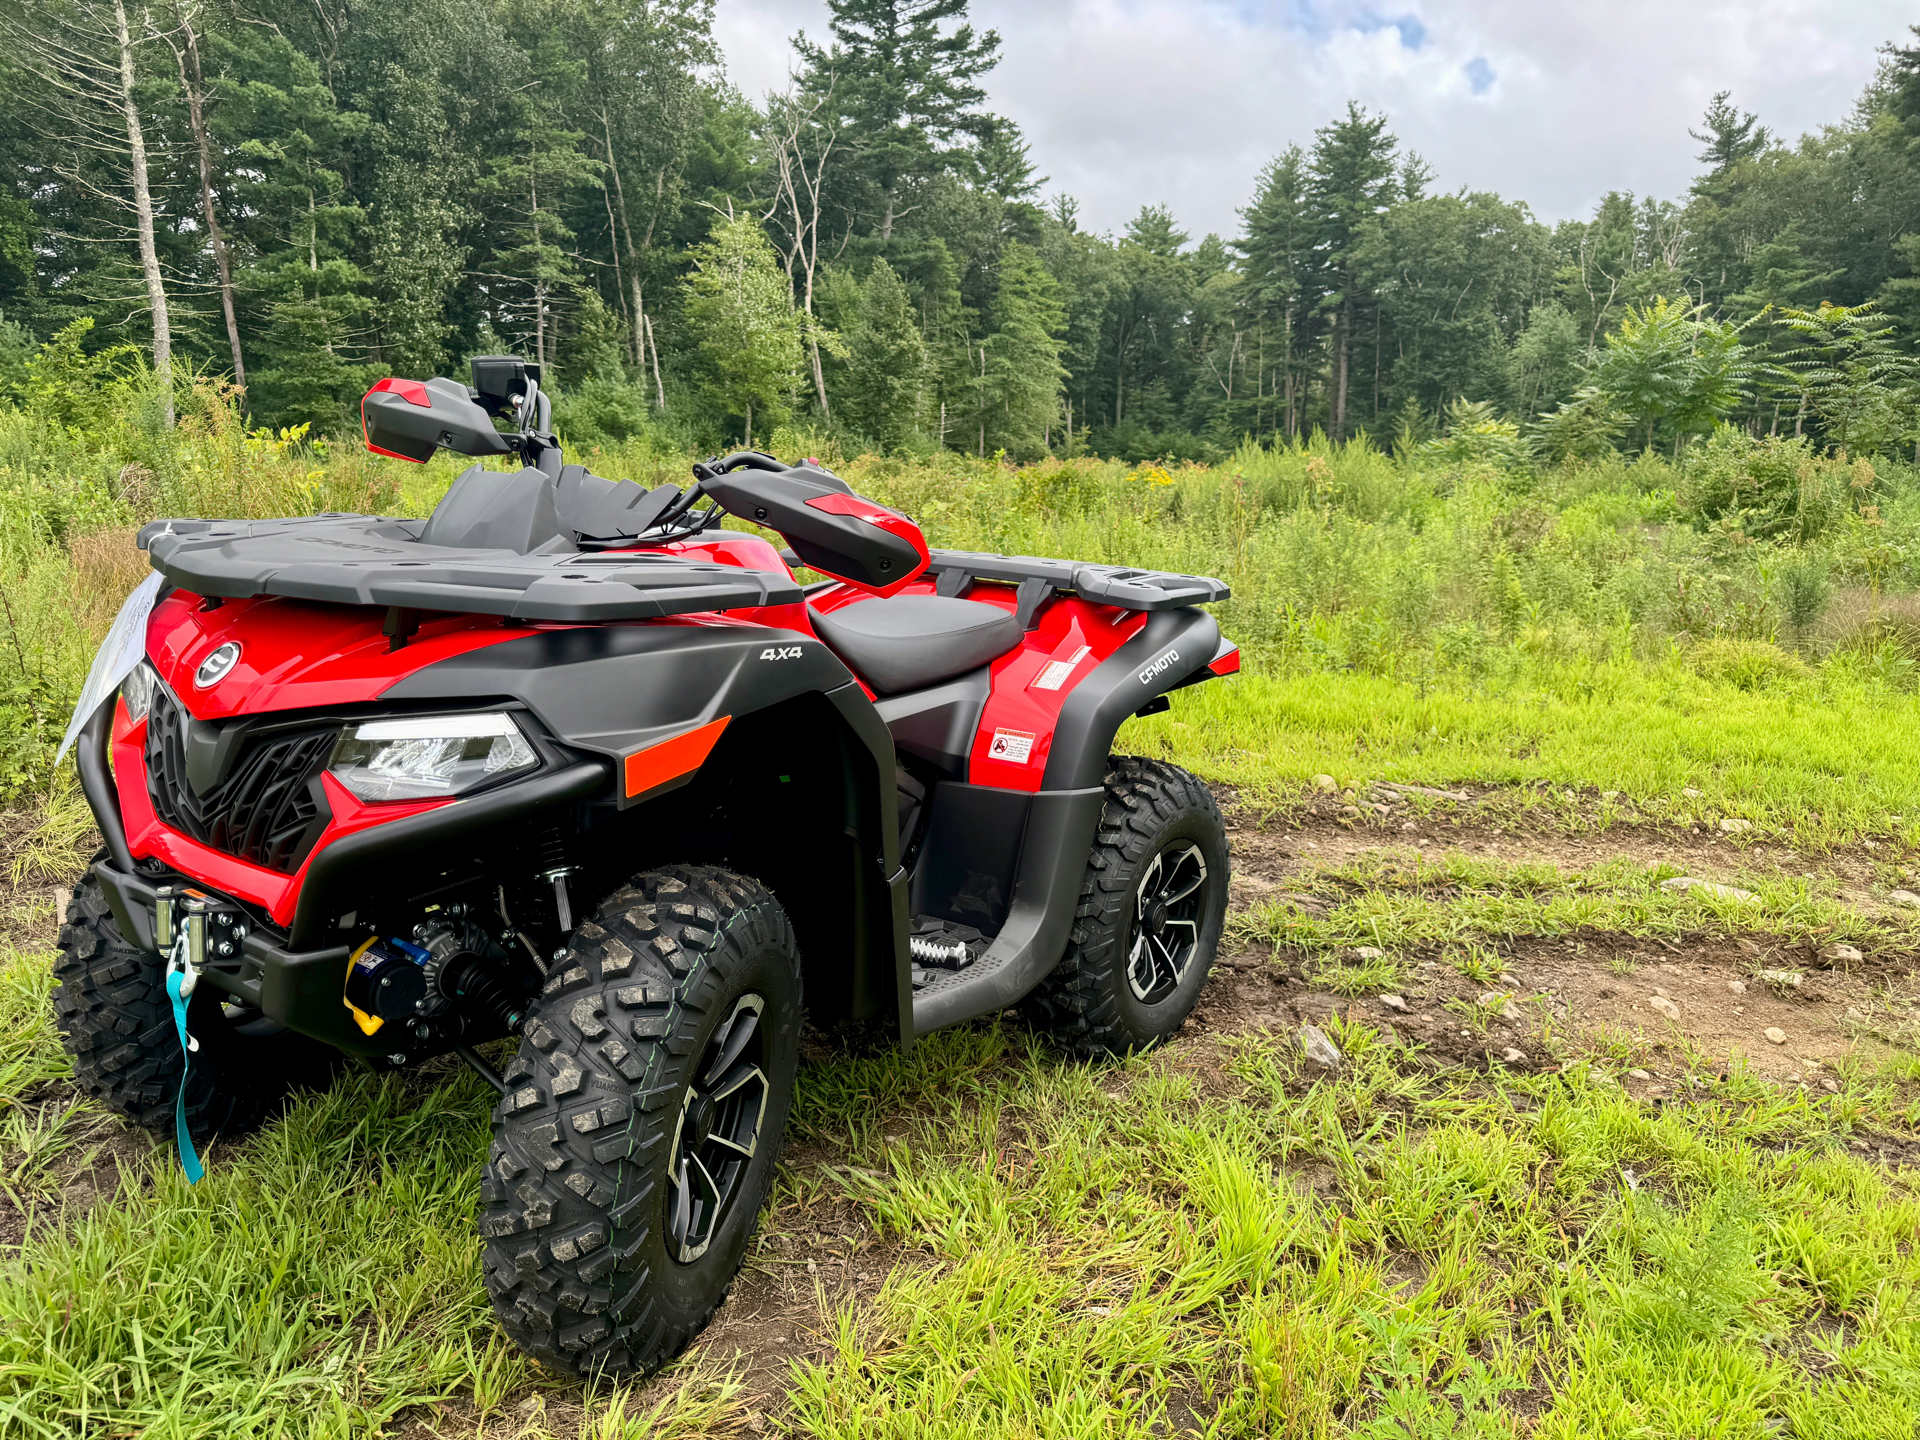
(1480, 74)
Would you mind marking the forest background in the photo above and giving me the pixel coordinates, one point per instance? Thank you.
(304, 197)
(1609, 528)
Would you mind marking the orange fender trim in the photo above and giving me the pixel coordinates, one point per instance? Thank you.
(671, 759)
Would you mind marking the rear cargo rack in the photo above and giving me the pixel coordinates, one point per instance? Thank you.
(1037, 579)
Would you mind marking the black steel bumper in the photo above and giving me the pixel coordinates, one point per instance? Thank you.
(296, 979)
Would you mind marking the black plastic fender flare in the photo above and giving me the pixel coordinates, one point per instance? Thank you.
(1066, 812)
(1166, 651)
(615, 690)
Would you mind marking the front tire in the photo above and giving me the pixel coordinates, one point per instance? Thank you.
(1150, 916)
(110, 1003)
(636, 1144)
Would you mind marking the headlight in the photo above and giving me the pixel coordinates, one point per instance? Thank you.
(428, 756)
(136, 691)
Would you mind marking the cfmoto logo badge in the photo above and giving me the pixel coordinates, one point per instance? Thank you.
(1165, 661)
(215, 667)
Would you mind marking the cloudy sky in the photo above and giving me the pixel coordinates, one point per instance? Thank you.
(1553, 102)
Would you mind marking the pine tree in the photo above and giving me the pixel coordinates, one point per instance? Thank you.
(884, 394)
(907, 89)
(1728, 136)
(1351, 179)
(739, 304)
(1277, 253)
(1021, 360)
(304, 296)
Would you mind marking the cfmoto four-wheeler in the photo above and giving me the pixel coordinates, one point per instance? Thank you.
(569, 763)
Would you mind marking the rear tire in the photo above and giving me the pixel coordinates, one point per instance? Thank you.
(110, 1003)
(1150, 915)
(636, 1144)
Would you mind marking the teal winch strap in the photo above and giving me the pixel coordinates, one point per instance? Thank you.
(189, 1158)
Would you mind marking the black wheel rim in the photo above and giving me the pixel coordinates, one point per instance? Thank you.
(718, 1131)
(1167, 922)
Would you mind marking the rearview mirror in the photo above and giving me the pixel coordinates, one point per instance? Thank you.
(410, 420)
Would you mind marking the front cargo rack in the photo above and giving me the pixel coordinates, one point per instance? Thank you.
(377, 561)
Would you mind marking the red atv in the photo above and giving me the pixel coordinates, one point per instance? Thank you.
(570, 763)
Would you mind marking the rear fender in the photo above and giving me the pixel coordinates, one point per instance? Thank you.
(1170, 648)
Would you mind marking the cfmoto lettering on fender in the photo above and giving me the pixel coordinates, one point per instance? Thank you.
(1165, 661)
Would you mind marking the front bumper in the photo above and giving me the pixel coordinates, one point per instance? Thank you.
(295, 978)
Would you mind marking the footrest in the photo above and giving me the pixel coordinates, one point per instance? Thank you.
(940, 948)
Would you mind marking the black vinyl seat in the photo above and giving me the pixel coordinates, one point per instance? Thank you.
(911, 641)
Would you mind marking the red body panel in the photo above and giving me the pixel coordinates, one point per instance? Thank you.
(274, 892)
(295, 653)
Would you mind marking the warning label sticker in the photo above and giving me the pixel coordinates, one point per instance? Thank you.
(1014, 746)
(1054, 675)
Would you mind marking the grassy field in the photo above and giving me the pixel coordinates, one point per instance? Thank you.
(1640, 1227)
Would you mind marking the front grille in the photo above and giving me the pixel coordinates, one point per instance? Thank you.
(266, 808)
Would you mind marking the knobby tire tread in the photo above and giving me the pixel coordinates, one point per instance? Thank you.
(1078, 1003)
(573, 1198)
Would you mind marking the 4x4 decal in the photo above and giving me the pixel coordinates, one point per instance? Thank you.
(781, 652)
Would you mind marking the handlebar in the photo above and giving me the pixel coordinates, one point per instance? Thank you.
(738, 460)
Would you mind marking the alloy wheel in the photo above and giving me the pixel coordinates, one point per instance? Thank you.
(718, 1130)
(1168, 907)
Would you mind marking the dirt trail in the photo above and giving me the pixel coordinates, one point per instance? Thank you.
(1668, 998)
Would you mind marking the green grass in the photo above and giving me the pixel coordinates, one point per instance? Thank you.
(1808, 769)
(1121, 1255)
(1174, 1245)
(1389, 901)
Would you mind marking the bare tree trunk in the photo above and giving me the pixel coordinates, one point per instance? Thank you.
(1340, 371)
(194, 86)
(627, 231)
(620, 285)
(653, 347)
(797, 188)
(1375, 417)
(540, 273)
(820, 380)
(143, 216)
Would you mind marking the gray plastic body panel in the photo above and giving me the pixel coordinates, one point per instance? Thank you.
(938, 724)
(371, 560)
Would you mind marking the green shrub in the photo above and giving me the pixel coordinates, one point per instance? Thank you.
(1748, 665)
(1773, 487)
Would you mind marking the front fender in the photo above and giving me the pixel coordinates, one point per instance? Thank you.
(618, 690)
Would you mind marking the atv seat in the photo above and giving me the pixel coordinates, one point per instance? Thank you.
(913, 641)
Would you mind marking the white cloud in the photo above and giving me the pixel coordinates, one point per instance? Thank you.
(1551, 102)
